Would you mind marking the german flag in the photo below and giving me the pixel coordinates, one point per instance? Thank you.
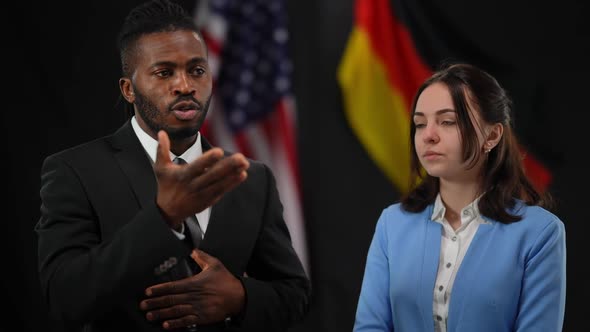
(383, 65)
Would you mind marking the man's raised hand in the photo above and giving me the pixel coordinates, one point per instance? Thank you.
(184, 190)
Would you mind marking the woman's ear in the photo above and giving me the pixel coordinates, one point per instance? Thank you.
(494, 135)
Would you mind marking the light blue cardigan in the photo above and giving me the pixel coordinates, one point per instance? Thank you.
(511, 279)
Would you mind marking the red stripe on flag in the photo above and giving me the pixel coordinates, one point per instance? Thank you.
(212, 44)
(243, 144)
(536, 172)
(393, 44)
(278, 130)
(205, 131)
(286, 127)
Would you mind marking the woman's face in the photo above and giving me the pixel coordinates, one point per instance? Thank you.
(438, 139)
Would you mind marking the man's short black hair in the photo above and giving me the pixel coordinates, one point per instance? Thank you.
(150, 17)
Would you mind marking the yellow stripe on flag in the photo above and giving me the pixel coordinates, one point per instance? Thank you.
(375, 110)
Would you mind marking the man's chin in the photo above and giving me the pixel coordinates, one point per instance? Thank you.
(181, 133)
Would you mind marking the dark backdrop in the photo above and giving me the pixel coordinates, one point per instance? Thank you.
(62, 90)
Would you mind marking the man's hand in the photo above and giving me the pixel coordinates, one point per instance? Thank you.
(204, 298)
(184, 190)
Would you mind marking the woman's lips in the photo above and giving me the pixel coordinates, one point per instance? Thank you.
(432, 155)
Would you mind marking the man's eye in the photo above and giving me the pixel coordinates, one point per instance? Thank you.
(199, 71)
(163, 73)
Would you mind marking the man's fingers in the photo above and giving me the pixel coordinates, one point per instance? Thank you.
(180, 323)
(202, 258)
(172, 287)
(182, 308)
(204, 162)
(214, 191)
(203, 165)
(227, 167)
(211, 194)
(163, 151)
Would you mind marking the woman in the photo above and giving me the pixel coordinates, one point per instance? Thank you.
(471, 247)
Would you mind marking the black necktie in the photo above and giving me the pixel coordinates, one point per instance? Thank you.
(192, 230)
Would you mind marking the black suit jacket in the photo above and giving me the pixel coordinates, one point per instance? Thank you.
(102, 241)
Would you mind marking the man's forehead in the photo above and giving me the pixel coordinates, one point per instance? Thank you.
(173, 43)
(173, 38)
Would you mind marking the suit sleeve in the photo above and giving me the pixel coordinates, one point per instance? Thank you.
(83, 275)
(373, 313)
(277, 287)
(542, 302)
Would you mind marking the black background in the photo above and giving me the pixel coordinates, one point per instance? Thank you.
(61, 69)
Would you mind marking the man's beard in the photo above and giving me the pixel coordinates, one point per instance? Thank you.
(154, 119)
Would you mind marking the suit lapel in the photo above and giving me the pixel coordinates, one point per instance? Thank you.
(230, 223)
(135, 163)
(219, 215)
(429, 269)
(468, 272)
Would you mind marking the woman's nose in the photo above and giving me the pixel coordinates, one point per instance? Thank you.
(430, 134)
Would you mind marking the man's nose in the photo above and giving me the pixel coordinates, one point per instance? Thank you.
(182, 85)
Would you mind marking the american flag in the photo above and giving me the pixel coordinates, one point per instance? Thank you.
(253, 110)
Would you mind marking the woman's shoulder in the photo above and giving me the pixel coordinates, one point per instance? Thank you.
(395, 213)
(396, 225)
(536, 215)
(398, 208)
(536, 220)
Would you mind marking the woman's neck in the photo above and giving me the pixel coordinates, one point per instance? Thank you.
(455, 197)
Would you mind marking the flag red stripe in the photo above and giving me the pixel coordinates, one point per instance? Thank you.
(212, 44)
(278, 130)
(393, 44)
(537, 173)
(205, 131)
(288, 134)
(243, 144)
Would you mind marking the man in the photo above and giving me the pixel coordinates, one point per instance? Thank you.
(151, 228)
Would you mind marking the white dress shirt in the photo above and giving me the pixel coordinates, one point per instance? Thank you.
(150, 146)
(454, 245)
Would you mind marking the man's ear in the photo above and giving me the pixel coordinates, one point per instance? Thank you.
(126, 89)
